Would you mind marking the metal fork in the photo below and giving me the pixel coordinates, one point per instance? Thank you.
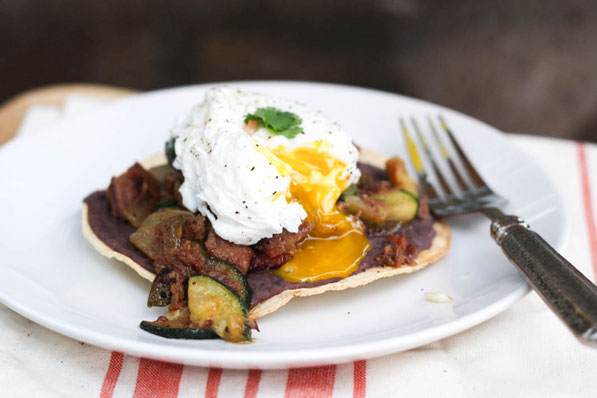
(565, 290)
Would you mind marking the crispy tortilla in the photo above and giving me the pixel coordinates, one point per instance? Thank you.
(439, 247)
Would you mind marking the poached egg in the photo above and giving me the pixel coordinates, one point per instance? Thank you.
(253, 183)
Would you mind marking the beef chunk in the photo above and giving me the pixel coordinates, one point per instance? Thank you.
(133, 195)
(194, 228)
(276, 251)
(171, 185)
(175, 283)
(423, 212)
(186, 259)
(370, 174)
(237, 255)
(179, 292)
(374, 188)
(397, 252)
(262, 262)
(399, 176)
(285, 242)
(170, 180)
(192, 255)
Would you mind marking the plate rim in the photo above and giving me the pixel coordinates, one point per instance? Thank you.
(304, 357)
(269, 360)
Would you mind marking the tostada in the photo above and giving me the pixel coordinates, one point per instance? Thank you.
(254, 201)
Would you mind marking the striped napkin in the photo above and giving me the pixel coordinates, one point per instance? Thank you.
(524, 351)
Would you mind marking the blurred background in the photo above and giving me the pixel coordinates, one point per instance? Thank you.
(522, 66)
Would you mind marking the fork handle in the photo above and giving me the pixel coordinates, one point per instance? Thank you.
(565, 290)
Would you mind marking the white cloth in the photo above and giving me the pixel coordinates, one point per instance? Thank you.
(524, 352)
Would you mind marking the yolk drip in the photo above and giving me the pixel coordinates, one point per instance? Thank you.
(336, 244)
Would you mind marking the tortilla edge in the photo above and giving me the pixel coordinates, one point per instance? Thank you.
(107, 251)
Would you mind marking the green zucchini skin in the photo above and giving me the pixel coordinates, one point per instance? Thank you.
(177, 333)
(232, 291)
(230, 276)
(214, 303)
(386, 208)
(146, 239)
(223, 272)
(401, 205)
(170, 151)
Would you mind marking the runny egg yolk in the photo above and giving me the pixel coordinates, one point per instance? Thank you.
(337, 243)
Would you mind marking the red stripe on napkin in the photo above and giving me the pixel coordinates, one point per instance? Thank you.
(213, 383)
(253, 380)
(359, 378)
(157, 379)
(112, 374)
(311, 382)
(586, 193)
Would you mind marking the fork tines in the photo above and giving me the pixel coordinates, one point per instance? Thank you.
(458, 187)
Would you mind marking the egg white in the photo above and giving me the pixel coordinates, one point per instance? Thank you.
(229, 175)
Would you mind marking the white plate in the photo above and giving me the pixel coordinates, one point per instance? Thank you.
(51, 275)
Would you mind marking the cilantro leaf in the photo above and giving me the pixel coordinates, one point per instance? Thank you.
(276, 121)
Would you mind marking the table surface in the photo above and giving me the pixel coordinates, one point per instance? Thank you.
(525, 351)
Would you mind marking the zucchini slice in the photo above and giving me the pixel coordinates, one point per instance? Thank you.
(371, 211)
(160, 231)
(160, 294)
(215, 306)
(230, 276)
(396, 205)
(177, 325)
(399, 205)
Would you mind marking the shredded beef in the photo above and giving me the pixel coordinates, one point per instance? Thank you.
(374, 188)
(179, 293)
(237, 255)
(186, 259)
(133, 195)
(171, 186)
(276, 251)
(285, 242)
(397, 252)
(423, 212)
(192, 255)
(175, 283)
(262, 262)
(170, 180)
(194, 228)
